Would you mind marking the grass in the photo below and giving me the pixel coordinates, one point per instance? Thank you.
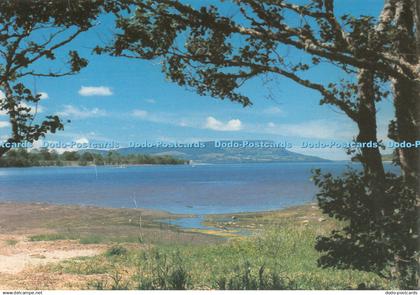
(11, 242)
(95, 239)
(83, 266)
(92, 225)
(92, 239)
(84, 239)
(50, 237)
(116, 251)
(277, 253)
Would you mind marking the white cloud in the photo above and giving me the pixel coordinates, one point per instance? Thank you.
(161, 118)
(173, 119)
(184, 123)
(95, 91)
(150, 100)
(4, 124)
(74, 112)
(34, 109)
(38, 109)
(43, 95)
(334, 154)
(140, 113)
(214, 124)
(82, 140)
(318, 129)
(273, 111)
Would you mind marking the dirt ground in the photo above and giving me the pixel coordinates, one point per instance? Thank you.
(20, 260)
(34, 238)
(23, 259)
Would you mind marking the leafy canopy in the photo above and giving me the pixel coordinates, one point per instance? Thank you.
(31, 32)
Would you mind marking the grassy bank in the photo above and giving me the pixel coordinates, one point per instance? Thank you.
(268, 250)
(93, 225)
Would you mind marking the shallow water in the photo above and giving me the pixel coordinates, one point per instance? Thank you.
(201, 189)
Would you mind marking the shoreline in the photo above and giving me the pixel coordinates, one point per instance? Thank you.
(45, 246)
(46, 221)
(94, 225)
(92, 166)
(151, 211)
(155, 212)
(193, 164)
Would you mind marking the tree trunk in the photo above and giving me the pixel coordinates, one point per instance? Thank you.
(416, 11)
(407, 103)
(417, 26)
(370, 157)
(407, 92)
(14, 138)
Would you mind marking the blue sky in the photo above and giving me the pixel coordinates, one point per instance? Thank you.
(123, 100)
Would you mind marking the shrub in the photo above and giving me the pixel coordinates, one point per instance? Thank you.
(163, 272)
(116, 251)
(381, 225)
(246, 278)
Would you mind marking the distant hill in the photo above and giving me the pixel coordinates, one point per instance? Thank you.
(208, 152)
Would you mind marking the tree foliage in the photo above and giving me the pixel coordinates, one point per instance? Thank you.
(380, 229)
(215, 52)
(44, 157)
(32, 32)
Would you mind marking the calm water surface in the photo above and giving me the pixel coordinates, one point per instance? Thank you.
(200, 189)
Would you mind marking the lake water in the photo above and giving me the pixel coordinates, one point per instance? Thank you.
(200, 189)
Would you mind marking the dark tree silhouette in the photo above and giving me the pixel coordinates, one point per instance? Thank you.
(201, 48)
(214, 53)
(32, 31)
